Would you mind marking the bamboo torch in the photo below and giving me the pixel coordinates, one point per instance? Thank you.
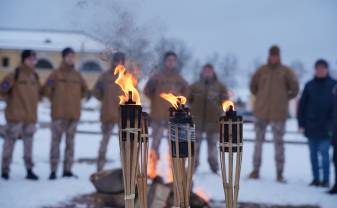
(143, 158)
(230, 144)
(130, 132)
(181, 131)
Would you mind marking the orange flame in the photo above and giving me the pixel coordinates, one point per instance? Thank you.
(227, 104)
(152, 167)
(199, 191)
(127, 82)
(168, 171)
(174, 100)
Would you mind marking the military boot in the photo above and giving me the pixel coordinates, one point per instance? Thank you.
(280, 178)
(255, 174)
(31, 175)
(5, 175)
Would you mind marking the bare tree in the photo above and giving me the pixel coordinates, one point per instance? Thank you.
(299, 70)
(115, 25)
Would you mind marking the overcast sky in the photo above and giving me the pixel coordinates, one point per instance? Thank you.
(305, 29)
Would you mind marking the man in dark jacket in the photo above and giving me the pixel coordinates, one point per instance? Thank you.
(315, 120)
(206, 96)
(333, 190)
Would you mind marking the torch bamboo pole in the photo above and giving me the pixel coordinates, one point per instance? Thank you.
(223, 167)
(238, 166)
(190, 168)
(142, 167)
(129, 157)
(230, 168)
(175, 194)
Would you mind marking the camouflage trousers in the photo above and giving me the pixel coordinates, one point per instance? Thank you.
(158, 128)
(278, 129)
(212, 150)
(58, 128)
(106, 131)
(12, 132)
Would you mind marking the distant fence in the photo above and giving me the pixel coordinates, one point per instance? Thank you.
(47, 125)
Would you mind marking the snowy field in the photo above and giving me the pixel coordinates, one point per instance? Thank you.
(20, 193)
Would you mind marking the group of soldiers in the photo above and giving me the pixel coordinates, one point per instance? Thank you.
(22, 90)
(273, 85)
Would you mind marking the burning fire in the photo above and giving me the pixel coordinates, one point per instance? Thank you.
(174, 100)
(227, 104)
(152, 168)
(200, 192)
(168, 171)
(127, 82)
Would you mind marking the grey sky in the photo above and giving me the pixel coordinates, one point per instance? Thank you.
(305, 29)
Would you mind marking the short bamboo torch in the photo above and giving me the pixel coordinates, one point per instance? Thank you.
(230, 144)
(181, 131)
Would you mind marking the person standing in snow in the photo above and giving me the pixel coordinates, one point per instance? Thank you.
(21, 90)
(315, 120)
(273, 85)
(167, 80)
(205, 97)
(65, 88)
(107, 91)
(333, 190)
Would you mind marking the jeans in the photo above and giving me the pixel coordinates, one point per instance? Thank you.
(320, 146)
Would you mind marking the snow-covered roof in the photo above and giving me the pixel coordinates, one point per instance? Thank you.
(48, 40)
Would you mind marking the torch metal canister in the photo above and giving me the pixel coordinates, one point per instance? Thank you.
(181, 140)
(129, 137)
(143, 158)
(230, 144)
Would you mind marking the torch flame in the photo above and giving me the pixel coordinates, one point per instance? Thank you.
(127, 82)
(227, 104)
(174, 100)
(152, 168)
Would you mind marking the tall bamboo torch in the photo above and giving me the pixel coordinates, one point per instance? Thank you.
(130, 132)
(181, 131)
(230, 144)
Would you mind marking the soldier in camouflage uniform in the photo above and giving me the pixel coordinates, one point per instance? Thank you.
(166, 80)
(273, 85)
(205, 97)
(21, 90)
(107, 91)
(65, 88)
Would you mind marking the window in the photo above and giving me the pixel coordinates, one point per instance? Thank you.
(44, 64)
(90, 66)
(5, 62)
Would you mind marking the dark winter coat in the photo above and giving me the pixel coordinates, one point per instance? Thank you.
(164, 81)
(205, 97)
(65, 88)
(107, 91)
(273, 86)
(21, 90)
(316, 108)
(335, 116)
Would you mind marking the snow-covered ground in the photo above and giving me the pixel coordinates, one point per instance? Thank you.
(20, 193)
